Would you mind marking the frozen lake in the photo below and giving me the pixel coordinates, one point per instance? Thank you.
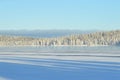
(60, 63)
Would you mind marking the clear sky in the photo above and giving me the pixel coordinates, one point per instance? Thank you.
(60, 14)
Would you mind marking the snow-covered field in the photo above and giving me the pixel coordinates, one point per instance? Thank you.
(66, 59)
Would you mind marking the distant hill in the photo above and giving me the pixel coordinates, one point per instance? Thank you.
(42, 33)
(105, 38)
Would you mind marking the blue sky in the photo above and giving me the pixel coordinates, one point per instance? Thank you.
(60, 14)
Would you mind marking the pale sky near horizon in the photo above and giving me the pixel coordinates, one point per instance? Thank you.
(60, 14)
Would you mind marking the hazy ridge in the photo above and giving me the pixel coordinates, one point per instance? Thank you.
(43, 33)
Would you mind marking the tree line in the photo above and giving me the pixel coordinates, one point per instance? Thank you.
(91, 39)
